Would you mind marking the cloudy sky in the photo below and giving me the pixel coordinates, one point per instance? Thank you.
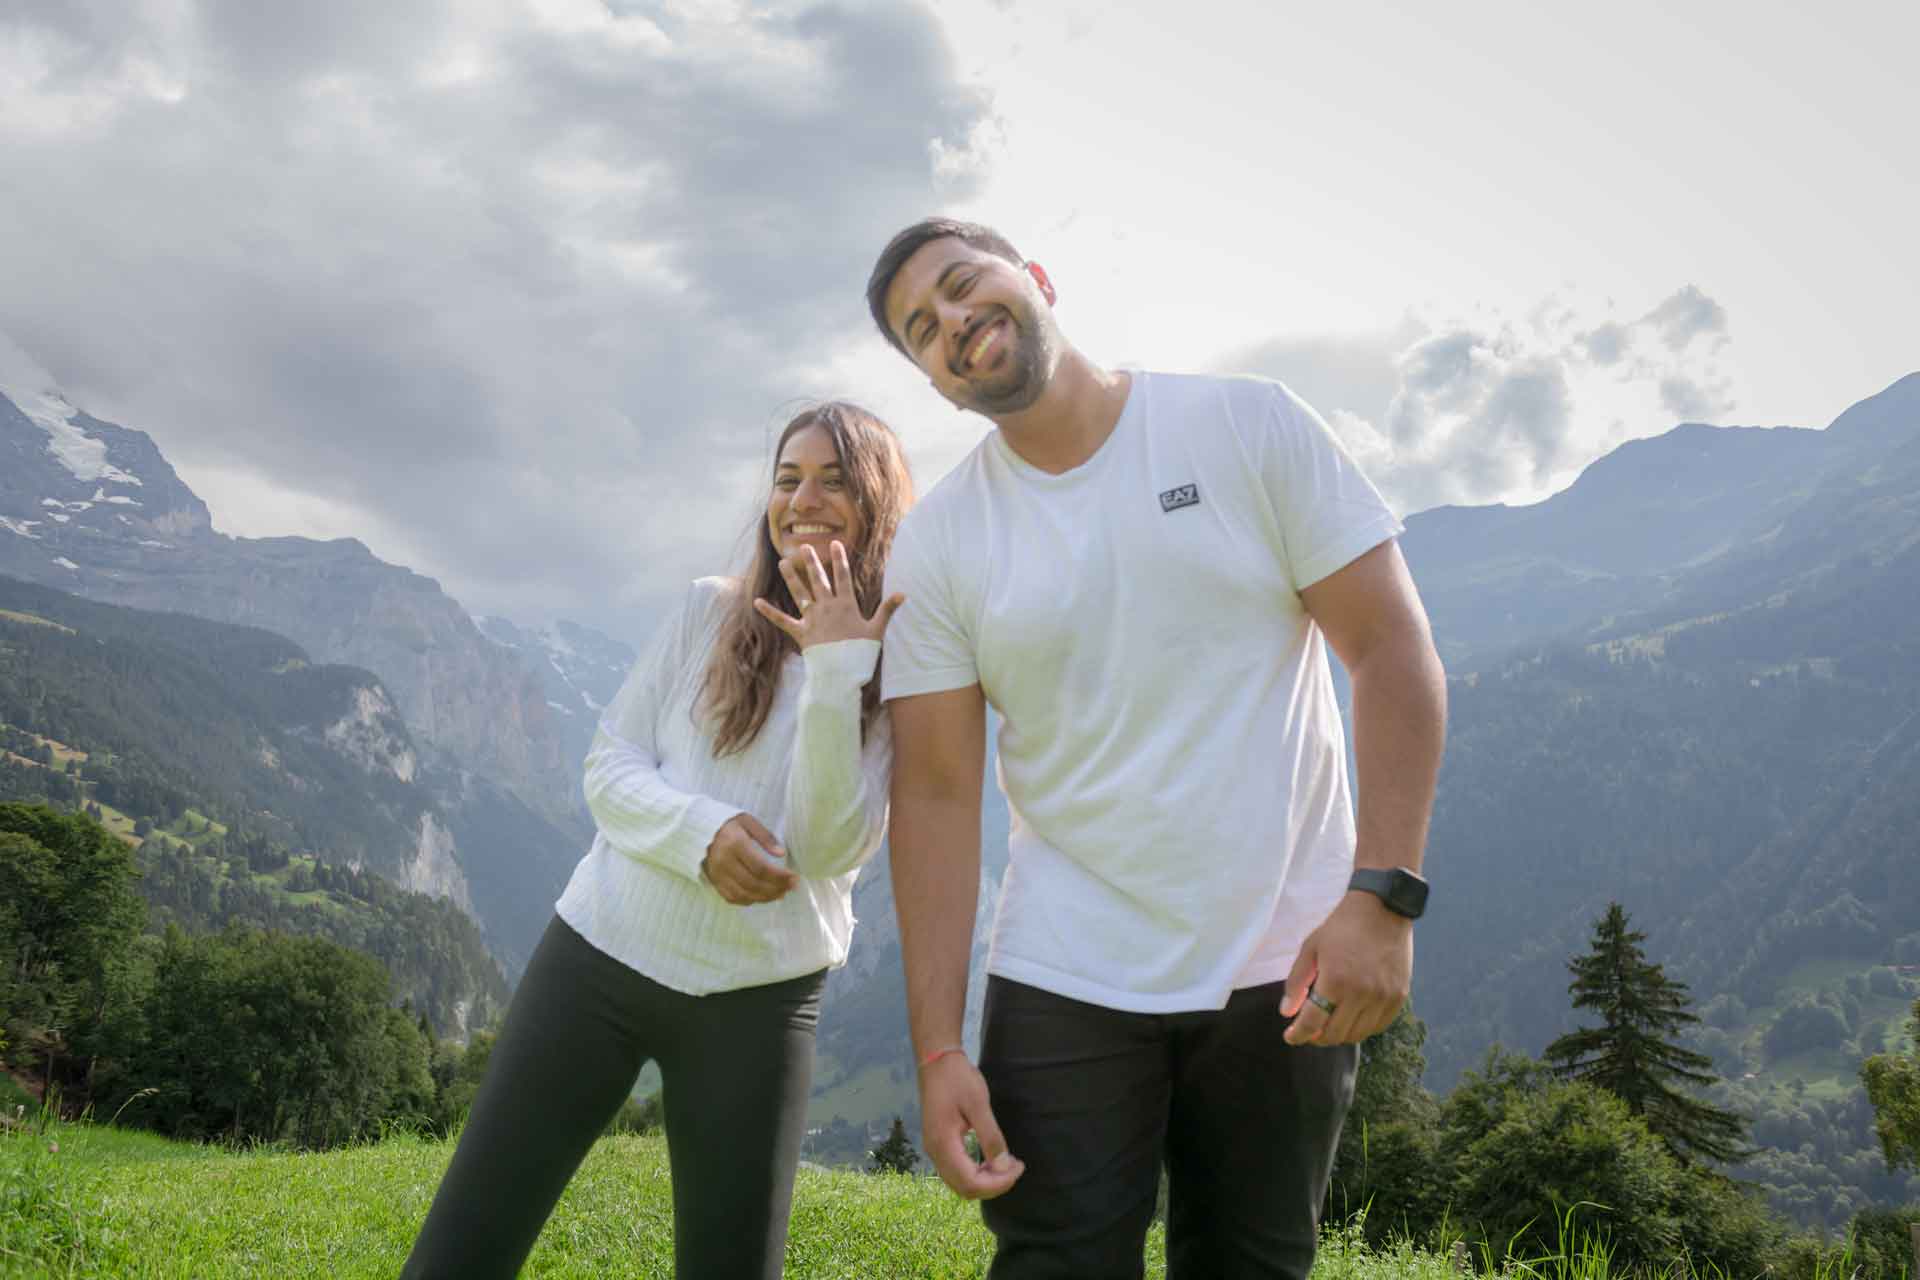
(517, 291)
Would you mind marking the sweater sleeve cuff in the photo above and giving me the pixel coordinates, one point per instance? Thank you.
(705, 817)
(840, 667)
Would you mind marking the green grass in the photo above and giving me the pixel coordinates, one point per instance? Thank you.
(81, 1199)
(112, 1202)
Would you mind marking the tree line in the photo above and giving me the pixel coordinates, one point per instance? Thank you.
(1615, 1134)
(210, 879)
(242, 1035)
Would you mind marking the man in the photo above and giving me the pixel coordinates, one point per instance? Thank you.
(1142, 573)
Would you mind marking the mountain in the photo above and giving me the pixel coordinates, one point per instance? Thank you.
(269, 790)
(1649, 527)
(1690, 683)
(93, 508)
(1675, 683)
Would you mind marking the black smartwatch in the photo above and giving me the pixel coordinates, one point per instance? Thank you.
(1404, 892)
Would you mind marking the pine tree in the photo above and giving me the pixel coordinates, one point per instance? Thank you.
(896, 1154)
(1632, 1056)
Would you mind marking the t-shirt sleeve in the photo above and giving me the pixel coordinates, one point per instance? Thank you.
(926, 648)
(1328, 512)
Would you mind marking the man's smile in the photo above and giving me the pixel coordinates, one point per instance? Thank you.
(981, 343)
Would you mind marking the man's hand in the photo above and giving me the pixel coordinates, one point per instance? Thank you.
(745, 863)
(953, 1099)
(1360, 961)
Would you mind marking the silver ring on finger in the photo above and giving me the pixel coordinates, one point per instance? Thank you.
(804, 601)
(1320, 1002)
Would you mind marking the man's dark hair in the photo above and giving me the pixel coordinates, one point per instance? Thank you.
(909, 242)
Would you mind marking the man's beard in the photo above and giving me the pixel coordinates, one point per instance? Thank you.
(1029, 368)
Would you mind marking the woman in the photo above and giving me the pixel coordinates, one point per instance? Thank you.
(739, 780)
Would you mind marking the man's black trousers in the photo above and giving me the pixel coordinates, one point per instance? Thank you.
(1095, 1099)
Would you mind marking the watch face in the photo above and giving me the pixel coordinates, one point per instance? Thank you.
(1408, 894)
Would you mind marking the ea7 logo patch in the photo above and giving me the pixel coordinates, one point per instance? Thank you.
(1187, 495)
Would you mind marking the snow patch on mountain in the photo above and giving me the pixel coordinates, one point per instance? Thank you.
(22, 527)
(77, 451)
(65, 563)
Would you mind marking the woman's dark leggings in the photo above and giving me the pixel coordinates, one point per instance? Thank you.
(735, 1066)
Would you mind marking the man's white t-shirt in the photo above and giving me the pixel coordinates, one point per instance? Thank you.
(1170, 748)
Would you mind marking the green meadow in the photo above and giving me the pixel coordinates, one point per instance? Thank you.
(81, 1199)
(88, 1200)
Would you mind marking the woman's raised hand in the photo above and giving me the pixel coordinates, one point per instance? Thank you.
(828, 608)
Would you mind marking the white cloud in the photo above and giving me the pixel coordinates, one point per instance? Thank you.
(1493, 407)
(1687, 315)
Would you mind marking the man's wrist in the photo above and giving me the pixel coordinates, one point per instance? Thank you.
(1398, 890)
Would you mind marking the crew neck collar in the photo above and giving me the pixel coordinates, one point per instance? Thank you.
(1129, 410)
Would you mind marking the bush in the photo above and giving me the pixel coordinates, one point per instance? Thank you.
(1398, 1183)
(1883, 1242)
(1725, 1223)
(1572, 1149)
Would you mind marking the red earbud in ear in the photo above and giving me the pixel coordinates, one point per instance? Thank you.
(1039, 274)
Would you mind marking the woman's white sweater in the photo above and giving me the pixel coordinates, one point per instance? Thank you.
(659, 795)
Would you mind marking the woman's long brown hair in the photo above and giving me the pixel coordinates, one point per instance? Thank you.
(743, 673)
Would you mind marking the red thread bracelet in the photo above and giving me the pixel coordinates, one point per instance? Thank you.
(937, 1054)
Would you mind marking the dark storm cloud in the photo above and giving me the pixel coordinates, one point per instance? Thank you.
(526, 286)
